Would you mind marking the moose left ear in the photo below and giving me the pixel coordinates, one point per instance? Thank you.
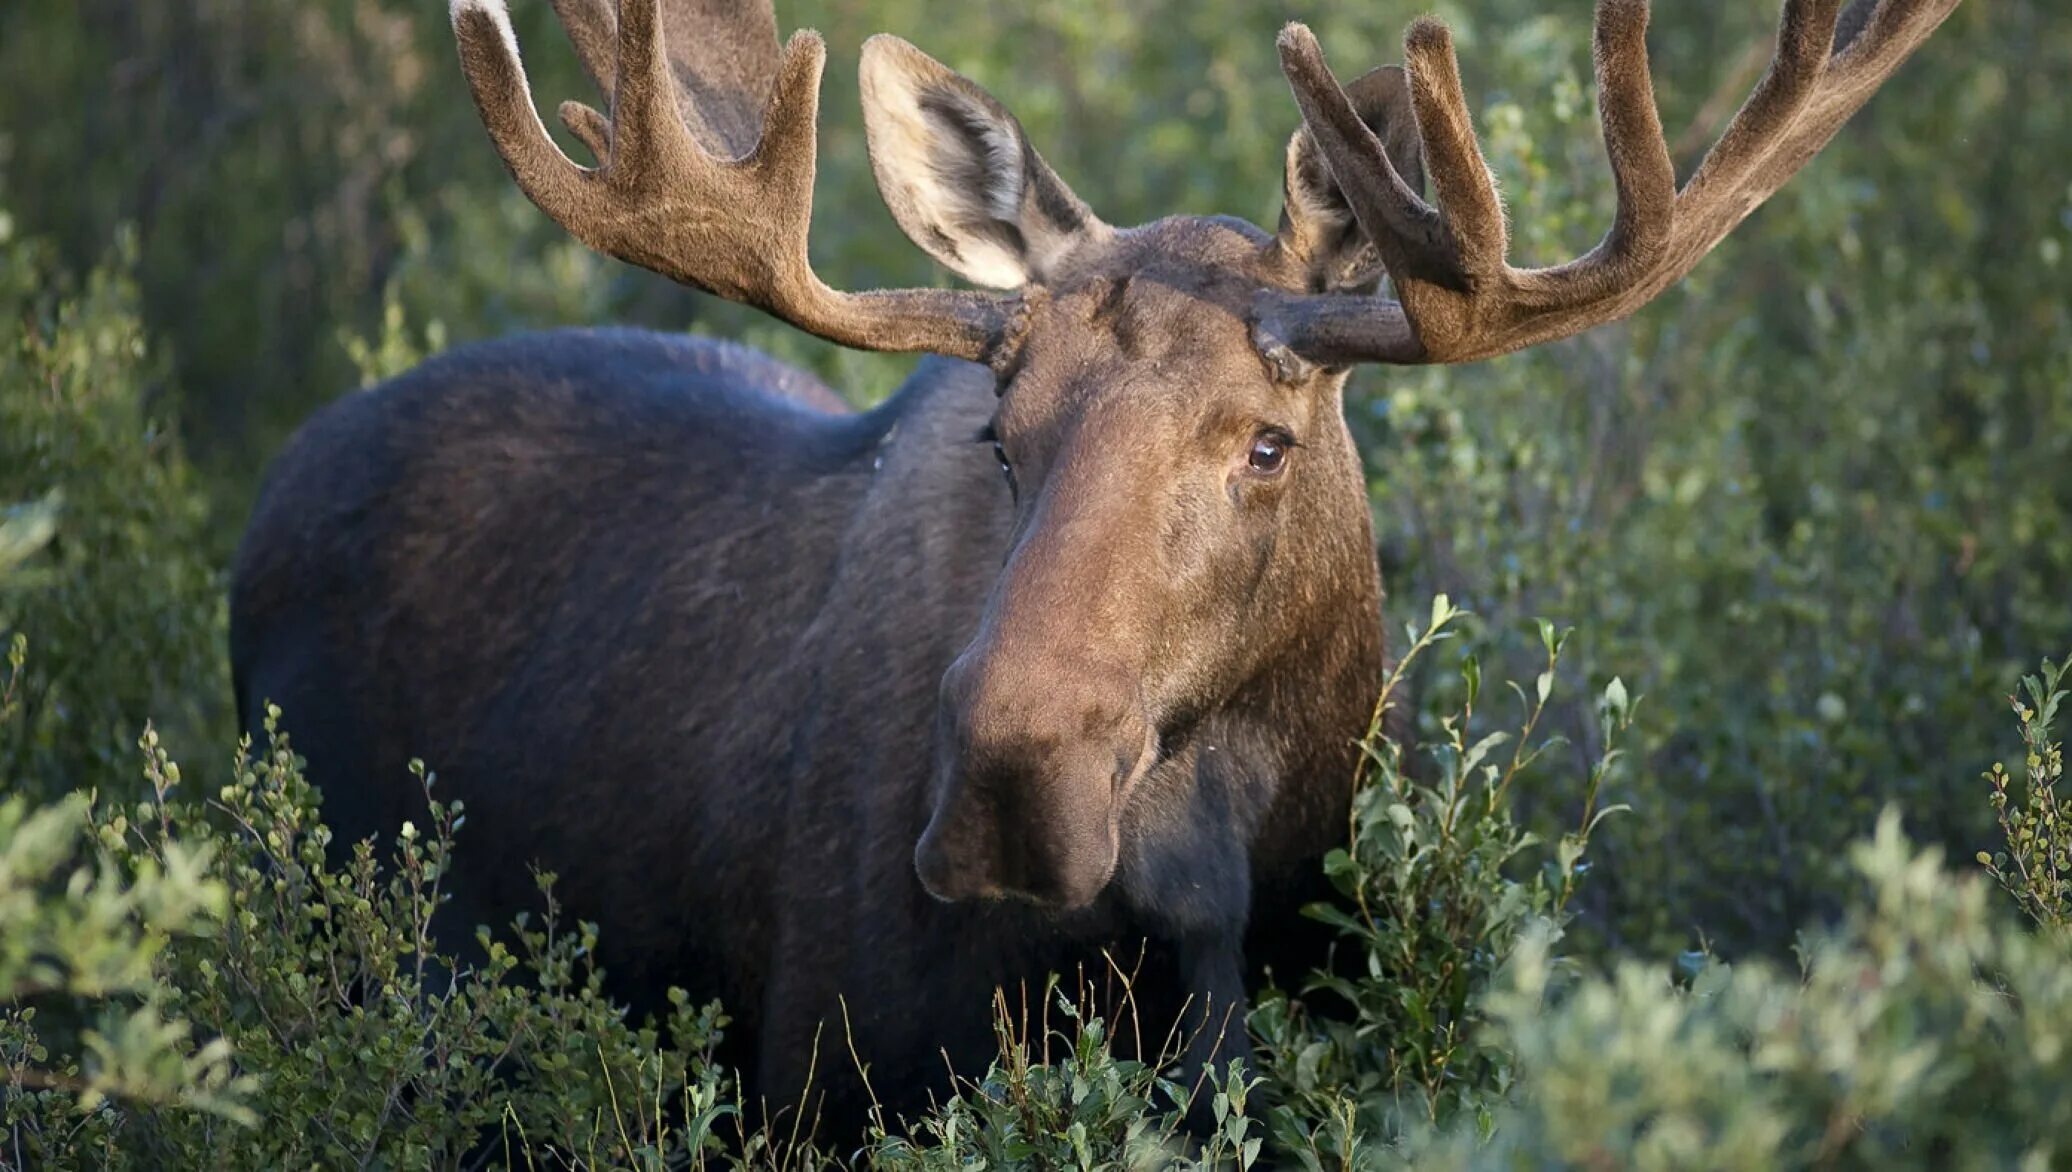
(960, 176)
(1317, 231)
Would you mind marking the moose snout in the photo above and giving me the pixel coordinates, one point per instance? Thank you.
(1029, 788)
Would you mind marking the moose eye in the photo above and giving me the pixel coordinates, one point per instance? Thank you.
(1269, 452)
(988, 436)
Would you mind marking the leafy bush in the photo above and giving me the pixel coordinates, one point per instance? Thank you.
(353, 1042)
(1085, 1108)
(373, 1046)
(85, 928)
(105, 549)
(2036, 867)
(1928, 1030)
(1438, 884)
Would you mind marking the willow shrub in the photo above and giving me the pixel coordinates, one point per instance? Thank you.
(104, 538)
(1928, 1030)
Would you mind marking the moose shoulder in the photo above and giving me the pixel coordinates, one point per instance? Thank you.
(1050, 664)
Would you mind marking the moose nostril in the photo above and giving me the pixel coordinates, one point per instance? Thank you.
(966, 852)
(939, 874)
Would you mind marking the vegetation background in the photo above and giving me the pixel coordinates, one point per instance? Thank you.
(1815, 504)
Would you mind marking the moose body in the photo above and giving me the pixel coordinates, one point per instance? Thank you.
(684, 652)
(1055, 662)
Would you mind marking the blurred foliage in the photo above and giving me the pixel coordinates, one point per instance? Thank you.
(105, 541)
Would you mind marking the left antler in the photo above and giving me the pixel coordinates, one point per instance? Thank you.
(1457, 299)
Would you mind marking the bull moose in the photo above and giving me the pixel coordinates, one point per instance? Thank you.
(850, 718)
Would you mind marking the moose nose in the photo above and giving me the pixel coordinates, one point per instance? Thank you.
(1029, 789)
(985, 842)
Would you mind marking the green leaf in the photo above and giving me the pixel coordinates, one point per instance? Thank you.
(1615, 697)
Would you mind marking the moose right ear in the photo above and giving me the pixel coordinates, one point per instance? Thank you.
(1317, 230)
(960, 176)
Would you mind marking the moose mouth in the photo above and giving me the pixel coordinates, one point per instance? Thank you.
(1004, 830)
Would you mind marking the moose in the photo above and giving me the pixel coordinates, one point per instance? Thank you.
(850, 719)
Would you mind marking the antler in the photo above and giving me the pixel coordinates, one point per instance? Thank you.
(1457, 298)
(703, 178)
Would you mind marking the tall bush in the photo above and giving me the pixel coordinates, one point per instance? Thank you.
(112, 567)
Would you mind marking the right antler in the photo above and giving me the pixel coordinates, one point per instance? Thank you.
(733, 226)
(1459, 300)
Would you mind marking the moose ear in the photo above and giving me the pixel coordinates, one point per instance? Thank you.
(1317, 229)
(960, 176)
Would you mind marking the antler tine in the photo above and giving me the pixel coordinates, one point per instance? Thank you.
(1406, 230)
(592, 27)
(646, 134)
(489, 57)
(722, 83)
(735, 227)
(1461, 180)
(1459, 299)
(1804, 36)
(1643, 176)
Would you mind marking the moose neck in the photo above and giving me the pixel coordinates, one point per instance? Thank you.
(1313, 699)
(923, 546)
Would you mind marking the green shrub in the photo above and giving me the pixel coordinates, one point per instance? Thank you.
(105, 550)
(1082, 1108)
(1928, 1030)
(87, 930)
(366, 1044)
(1438, 884)
(352, 1042)
(2036, 867)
